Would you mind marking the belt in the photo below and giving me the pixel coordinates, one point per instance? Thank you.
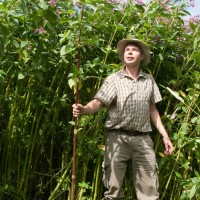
(130, 132)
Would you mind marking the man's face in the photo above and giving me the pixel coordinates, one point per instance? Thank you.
(132, 55)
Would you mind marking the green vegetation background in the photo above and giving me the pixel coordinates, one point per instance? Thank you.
(39, 42)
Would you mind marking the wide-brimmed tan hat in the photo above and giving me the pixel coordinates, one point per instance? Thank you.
(145, 50)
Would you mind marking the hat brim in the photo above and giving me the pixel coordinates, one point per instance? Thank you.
(145, 50)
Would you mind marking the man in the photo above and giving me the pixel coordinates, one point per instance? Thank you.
(130, 96)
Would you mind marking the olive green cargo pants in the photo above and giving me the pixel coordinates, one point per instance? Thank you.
(120, 148)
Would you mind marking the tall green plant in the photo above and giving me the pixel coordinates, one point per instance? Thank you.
(38, 61)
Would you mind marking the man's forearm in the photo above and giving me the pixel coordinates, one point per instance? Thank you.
(155, 117)
(92, 107)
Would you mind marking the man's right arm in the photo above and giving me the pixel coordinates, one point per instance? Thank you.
(91, 108)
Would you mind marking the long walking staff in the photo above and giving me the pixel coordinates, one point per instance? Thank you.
(75, 134)
(76, 119)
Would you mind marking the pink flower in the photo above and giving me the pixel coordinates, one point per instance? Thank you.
(194, 19)
(165, 6)
(41, 30)
(185, 26)
(192, 3)
(52, 2)
(114, 1)
(139, 2)
(59, 12)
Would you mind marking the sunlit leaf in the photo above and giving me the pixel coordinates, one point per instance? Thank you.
(175, 94)
(178, 175)
(192, 191)
(71, 83)
(161, 154)
(184, 128)
(20, 76)
(101, 147)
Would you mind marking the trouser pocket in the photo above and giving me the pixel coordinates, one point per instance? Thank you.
(106, 173)
(156, 174)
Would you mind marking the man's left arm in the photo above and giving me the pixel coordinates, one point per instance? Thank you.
(155, 117)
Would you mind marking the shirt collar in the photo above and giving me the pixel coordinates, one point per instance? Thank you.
(141, 73)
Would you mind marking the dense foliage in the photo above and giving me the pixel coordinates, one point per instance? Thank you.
(39, 42)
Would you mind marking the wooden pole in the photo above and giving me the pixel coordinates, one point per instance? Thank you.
(75, 140)
(76, 120)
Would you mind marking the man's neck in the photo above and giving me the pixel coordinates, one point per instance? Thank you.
(133, 72)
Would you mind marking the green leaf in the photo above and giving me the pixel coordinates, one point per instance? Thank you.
(178, 175)
(175, 94)
(197, 154)
(20, 76)
(24, 43)
(197, 174)
(194, 120)
(160, 56)
(175, 136)
(85, 185)
(43, 4)
(195, 180)
(184, 128)
(2, 72)
(66, 49)
(72, 123)
(195, 43)
(198, 129)
(63, 50)
(15, 43)
(198, 140)
(192, 26)
(71, 83)
(192, 191)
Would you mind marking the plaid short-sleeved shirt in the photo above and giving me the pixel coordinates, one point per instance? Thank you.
(129, 101)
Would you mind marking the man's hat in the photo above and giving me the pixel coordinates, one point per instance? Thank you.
(145, 50)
